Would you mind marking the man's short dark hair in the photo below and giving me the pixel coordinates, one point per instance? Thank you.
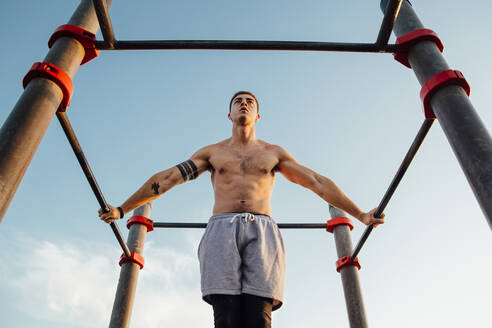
(247, 93)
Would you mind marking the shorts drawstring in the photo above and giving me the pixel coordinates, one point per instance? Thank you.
(246, 216)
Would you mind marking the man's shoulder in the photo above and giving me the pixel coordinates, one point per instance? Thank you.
(218, 146)
(271, 147)
(209, 149)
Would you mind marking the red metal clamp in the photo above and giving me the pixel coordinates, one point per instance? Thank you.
(347, 261)
(331, 224)
(55, 74)
(135, 258)
(85, 38)
(405, 42)
(438, 81)
(142, 220)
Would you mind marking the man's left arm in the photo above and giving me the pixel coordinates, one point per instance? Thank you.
(323, 187)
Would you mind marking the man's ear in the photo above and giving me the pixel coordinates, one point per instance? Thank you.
(229, 116)
(258, 116)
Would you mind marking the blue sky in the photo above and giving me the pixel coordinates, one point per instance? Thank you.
(350, 117)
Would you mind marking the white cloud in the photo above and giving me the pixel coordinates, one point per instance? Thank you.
(65, 283)
(60, 283)
(169, 293)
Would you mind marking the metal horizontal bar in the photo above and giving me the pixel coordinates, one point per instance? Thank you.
(246, 45)
(204, 225)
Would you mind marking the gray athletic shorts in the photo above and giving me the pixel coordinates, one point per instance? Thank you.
(242, 253)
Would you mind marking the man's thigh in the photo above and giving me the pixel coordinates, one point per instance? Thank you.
(263, 261)
(227, 310)
(220, 261)
(241, 311)
(256, 311)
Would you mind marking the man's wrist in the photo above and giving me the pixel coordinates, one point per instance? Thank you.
(360, 216)
(122, 214)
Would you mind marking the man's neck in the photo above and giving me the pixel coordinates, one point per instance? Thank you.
(243, 134)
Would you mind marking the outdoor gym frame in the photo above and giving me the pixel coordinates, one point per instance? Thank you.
(48, 86)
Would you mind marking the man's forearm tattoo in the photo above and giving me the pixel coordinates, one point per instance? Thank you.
(155, 188)
(188, 170)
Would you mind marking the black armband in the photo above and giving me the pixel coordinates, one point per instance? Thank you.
(121, 212)
(188, 170)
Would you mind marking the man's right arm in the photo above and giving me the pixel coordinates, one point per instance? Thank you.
(161, 182)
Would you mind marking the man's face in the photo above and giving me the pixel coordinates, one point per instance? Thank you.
(243, 109)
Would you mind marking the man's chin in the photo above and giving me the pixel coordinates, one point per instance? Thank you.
(242, 120)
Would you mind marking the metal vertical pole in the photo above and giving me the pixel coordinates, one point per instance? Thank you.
(26, 125)
(464, 129)
(350, 275)
(127, 285)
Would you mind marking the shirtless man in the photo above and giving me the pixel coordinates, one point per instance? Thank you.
(242, 257)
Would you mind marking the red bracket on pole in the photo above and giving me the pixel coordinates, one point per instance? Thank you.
(331, 224)
(135, 258)
(85, 38)
(347, 261)
(142, 220)
(55, 74)
(438, 81)
(405, 42)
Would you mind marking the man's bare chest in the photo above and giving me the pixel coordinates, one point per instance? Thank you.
(252, 162)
